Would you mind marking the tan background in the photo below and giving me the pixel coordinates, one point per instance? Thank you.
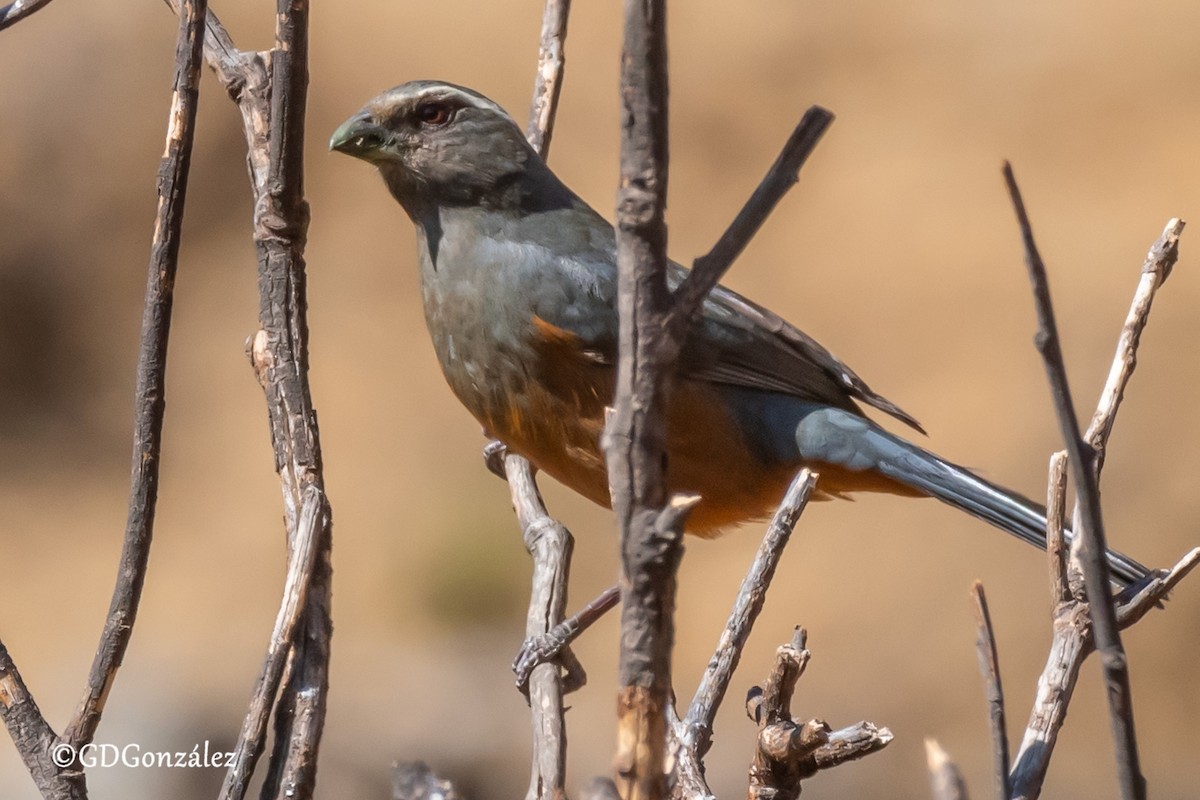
(897, 250)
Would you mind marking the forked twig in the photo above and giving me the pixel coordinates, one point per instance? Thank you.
(1072, 634)
(272, 104)
(788, 752)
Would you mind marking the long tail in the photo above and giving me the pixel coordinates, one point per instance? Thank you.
(853, 442)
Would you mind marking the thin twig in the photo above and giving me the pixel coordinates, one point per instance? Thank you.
(1056, 543)
(1095, 566)
(697, 734)
(548, 85)
(850, 744)
(52, 762)
(1071, 644)
(150, 397)
(783, 175)
(1155, 271)
(944, 777)
(18, 10)
(550, 544)
(301, 561)
(989, 666)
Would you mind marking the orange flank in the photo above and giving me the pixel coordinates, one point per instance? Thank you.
(556, 418)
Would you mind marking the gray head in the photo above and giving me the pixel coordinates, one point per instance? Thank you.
(437, 145)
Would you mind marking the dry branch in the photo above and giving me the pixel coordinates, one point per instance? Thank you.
(989, 666)
(1072, 642)
(635, 437)
(788, 752)
(270, 91)
(150, 397)
(50, 761)
(1155, 271)
(16, 11)
(944, 777)
(53, 762)
(696, 734)
(1072, 626)
(1090, 532)
(783, 175)
(550, 544)
(548, 84)
(301, 561)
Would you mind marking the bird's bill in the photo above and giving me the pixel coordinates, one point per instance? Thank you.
(361, 137)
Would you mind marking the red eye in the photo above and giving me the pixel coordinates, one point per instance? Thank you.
(434, 113)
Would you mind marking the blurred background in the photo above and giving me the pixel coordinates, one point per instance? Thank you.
(898, 250)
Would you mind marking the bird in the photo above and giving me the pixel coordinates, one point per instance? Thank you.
(518, 281)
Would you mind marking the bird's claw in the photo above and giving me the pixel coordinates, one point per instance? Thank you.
(550, 646)
(494, 453)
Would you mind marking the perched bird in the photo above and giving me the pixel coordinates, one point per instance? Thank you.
(519, 283)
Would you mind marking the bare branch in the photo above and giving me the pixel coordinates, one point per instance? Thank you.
(1056, 546)
(635, 438)
(272, 103)
(18, 10)
(944, 777)
(1083, 465)
(1071, 644)
(697, 734)
(783, 175)
(1072, 635)
(52, 762)
(150, 396)
(788, 752)
(851, 744)
(989, 666)
(548, 85)
(280, 231)
(1155, 271)
(301, 561)
(550, 544)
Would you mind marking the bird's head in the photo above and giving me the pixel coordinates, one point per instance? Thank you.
(438, 144)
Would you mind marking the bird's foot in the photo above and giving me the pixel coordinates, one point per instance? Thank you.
(494, 453)
(554, 644)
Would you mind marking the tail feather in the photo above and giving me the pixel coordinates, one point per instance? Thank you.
(856, 443)
(1011, 512)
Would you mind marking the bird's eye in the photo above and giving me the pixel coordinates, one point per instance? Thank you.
(434, 113)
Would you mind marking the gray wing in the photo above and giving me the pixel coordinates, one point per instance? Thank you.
(735, 342)
(740, 343)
